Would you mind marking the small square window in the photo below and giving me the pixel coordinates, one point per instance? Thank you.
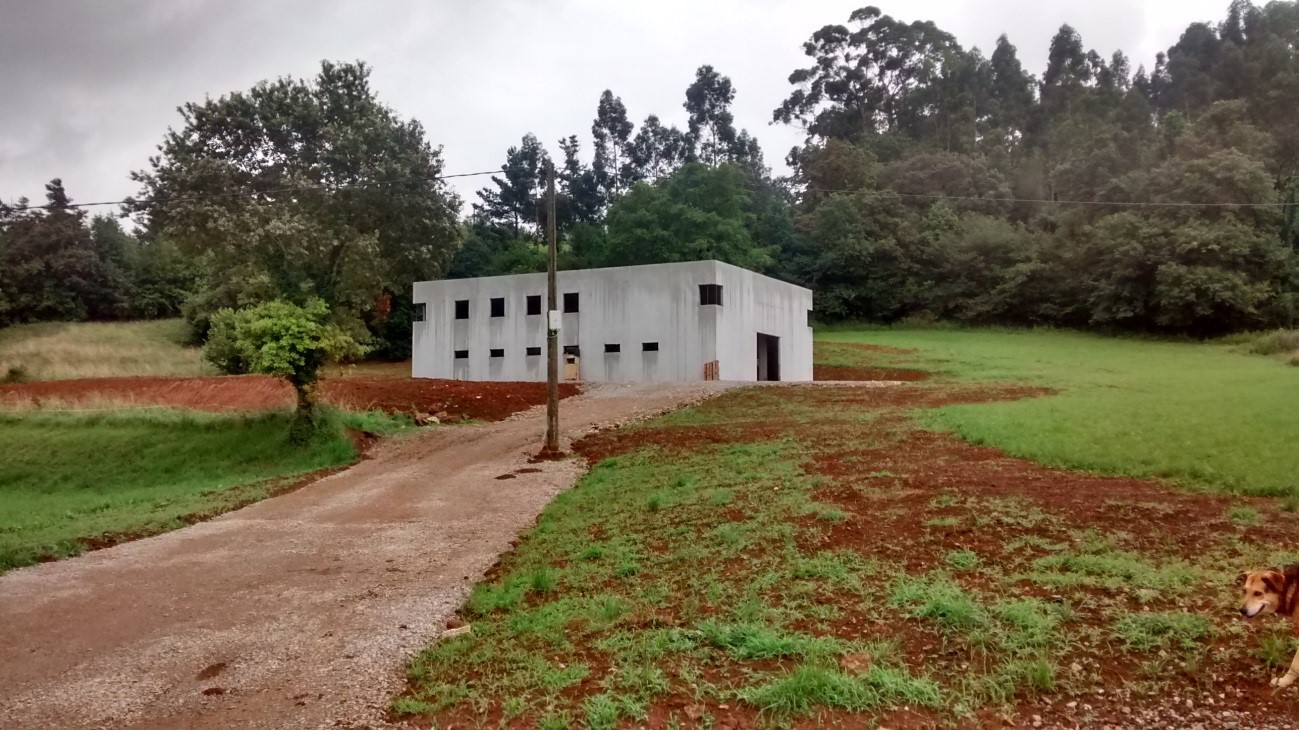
(462, 309)
(572, 350)
(534, 351)
(498, 306)
(417, 315)
(570, 302)
(649, 347)
(710, 294)
(462, 354)
(612, 349)
(499, 352)
(534, 304)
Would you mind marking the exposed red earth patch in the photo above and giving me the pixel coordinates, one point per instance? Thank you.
(459, 400)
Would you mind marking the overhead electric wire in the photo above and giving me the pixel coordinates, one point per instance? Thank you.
(238, 193)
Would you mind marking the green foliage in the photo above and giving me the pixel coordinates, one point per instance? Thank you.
(697, 213)
(811, 686)
(284, 339)
(343, 245)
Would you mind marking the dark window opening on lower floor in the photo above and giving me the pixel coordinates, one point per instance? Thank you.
(498, 306)
(534, 304)
(462, 354)
(570, 303)
(462, 309)
(710, 294)
(497, 353)
(649, 347)
(572, 350)
(534, 351)
(612, 349)
(418, 315)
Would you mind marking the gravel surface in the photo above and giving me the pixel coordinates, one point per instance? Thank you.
(298, 611)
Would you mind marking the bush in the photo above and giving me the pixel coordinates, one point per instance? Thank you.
(284, 339)
(1276, 343)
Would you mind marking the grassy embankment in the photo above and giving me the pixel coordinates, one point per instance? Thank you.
(68, 350)
(778, 555)
(74, 480)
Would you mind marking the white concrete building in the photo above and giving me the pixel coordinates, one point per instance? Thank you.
(703, 320)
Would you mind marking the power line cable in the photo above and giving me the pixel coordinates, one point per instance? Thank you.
(237, 193)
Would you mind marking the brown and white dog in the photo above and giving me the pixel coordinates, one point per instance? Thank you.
(1274, 591)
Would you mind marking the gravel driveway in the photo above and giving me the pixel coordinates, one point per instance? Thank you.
(298, 611)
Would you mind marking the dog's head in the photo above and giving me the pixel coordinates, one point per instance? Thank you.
(1264, 591)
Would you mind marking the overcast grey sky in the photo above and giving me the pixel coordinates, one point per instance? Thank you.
(88, 87)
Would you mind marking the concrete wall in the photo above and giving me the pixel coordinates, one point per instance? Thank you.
(626, 306)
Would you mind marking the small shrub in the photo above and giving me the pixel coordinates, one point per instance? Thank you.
(936, 598)
(1150, 631)
(1276, 650)
(16, 374)
(601, 712)
(1290, 503)
(1276, 343)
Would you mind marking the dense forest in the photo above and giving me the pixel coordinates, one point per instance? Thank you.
(934, 182)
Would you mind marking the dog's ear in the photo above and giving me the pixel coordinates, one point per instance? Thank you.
(1240, 579)
(1274, 580)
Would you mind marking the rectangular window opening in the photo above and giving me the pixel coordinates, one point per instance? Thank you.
(570, 303)
(418, 314)
(462, 354)
(710, 294)
(611, 349)
(462, 309)
(534, 351)
(498, 306)
(534, 304)
(649, 347)
(572, 350)
(497, 353)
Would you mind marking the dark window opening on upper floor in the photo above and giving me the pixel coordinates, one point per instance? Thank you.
(418, 315)
(649, 347)
(610, 349)
(572, 350)
(462, 354)
(498, 352)
(570, 302)
(498, 306)
(534, 304)
(534, 351)
(710, 294)
(462, 309)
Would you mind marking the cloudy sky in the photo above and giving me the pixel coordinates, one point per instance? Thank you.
(87, 87)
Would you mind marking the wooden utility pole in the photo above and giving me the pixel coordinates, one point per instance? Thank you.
(552, 324)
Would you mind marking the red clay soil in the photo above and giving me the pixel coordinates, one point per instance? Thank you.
(455, 399)
(888, 475)
(833, 373)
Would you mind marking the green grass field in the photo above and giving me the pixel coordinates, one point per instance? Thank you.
(66, 350)
(1206, 415)
(69, 480)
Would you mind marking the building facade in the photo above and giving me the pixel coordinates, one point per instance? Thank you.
(702, 320)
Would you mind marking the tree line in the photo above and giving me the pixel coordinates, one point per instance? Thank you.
(937, 182)
(933, 181)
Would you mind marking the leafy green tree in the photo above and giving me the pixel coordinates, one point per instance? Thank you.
(518, 196)
(656, 150)
(314, 186)
(51, 270)
(284, 339)
(612, 134)
(699, 212)
(712, 137)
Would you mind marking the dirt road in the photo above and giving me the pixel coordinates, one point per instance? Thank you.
(298, 611)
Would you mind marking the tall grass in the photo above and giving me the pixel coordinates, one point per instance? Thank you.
(70, 478)
(66, 350)
(1201, 413)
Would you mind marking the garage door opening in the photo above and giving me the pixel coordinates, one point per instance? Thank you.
(768, 357)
